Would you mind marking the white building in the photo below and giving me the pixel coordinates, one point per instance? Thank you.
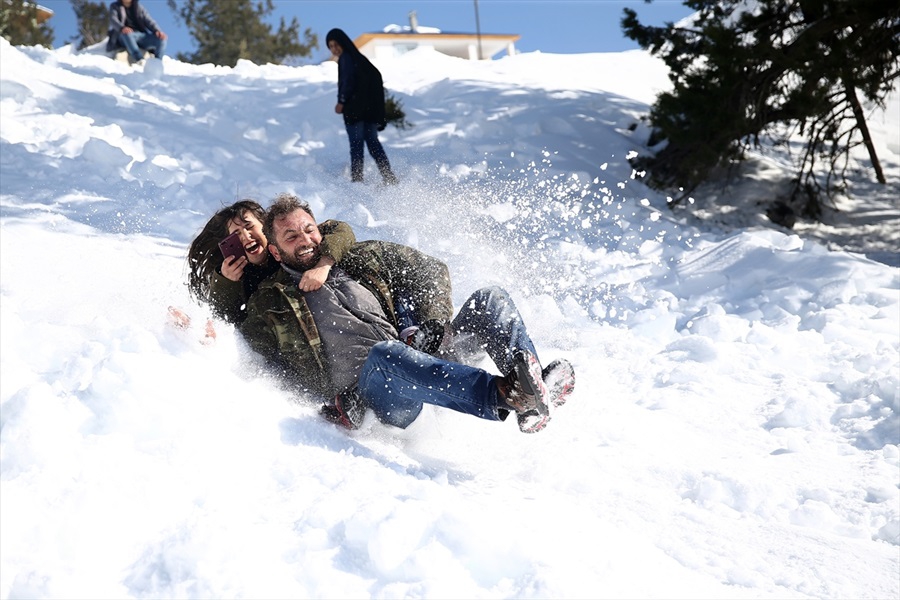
(396, 40)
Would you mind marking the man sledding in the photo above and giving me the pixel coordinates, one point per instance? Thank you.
(378, 335)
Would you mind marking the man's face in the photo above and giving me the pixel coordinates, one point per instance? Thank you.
(297, 240)
(252, 237)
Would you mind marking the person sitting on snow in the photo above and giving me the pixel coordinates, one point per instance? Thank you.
(342, 342)
(131, 27)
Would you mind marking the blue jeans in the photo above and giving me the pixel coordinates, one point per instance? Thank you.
(490, 321)
(362, 133)
(396, 380)
(137, 41)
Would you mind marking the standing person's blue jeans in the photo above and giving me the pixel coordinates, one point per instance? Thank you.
(362, 133)
(397, 380)
(137, 41)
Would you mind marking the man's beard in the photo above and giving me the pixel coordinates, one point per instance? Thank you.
(300, 261)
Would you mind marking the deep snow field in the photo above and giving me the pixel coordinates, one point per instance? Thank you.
(735, 428)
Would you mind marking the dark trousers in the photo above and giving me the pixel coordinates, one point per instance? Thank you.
(138, 41)
(362, 133)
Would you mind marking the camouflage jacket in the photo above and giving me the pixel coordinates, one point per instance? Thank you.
(228, 298)
(280, 325)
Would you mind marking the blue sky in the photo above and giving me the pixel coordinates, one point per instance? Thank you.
(558, 26)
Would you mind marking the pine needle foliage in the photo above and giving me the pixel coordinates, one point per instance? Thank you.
(93, 22)
(20, 25)
(226, 31)
(393, 112)
(744, 71)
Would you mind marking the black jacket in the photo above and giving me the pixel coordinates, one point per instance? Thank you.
(360, 86)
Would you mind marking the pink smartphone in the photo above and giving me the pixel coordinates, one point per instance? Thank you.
(232, 246)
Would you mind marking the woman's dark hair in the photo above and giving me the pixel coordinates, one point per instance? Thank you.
(204, 257)
(343, 41)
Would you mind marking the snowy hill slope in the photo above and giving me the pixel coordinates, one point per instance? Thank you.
(735, 431)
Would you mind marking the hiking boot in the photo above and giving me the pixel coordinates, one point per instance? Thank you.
(348, 409)
(559, 377)
(528, 395)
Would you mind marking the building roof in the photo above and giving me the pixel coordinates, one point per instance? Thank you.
(454, 44)
(43, 13)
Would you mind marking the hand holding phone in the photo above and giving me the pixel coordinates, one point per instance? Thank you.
(232, 246)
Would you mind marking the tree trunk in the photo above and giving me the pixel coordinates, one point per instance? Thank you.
(864, 129)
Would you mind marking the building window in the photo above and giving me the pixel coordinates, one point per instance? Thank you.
(404, 48)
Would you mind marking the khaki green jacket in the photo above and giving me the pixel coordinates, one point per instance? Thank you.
(281, 328)
(228, 298)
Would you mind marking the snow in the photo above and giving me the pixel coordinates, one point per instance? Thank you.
(394, 28)
(735, 428)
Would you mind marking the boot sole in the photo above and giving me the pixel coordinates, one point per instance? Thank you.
(559, 377)
(527, 370)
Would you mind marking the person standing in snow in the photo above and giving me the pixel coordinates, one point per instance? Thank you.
(226, 284)
(131, 27)
(360, 99)
(346, 344)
